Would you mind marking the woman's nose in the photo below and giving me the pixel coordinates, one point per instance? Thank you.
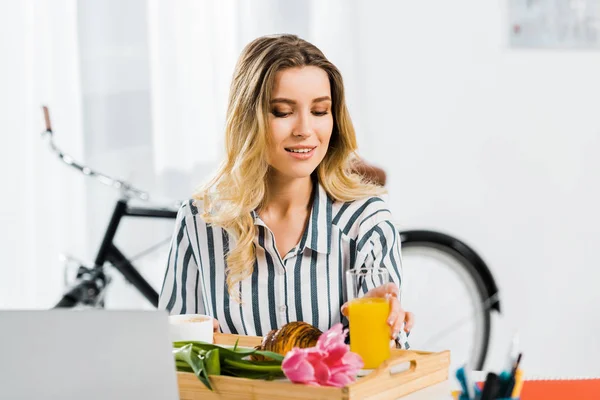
(303, 126)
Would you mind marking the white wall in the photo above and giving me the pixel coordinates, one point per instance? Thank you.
(499, 147)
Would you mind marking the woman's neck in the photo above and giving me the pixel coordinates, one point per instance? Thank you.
(285, 195)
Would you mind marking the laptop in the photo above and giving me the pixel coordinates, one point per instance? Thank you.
(86, 354)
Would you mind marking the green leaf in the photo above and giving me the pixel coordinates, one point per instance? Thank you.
(270, 354)
(212, 362)
(203, 347)
(204, 374)
(249, 374)
(257, 366)
(209, 359)
(187, 355)
(182, 366)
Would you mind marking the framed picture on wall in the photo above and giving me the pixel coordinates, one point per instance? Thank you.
(557, 24)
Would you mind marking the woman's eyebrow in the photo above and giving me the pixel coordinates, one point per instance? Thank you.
(282, 100)
(320, 99)
(293, 102)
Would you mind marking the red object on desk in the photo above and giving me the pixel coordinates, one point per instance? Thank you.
(567, 389)
(576, 389)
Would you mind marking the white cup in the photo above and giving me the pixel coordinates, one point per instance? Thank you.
(196, 327)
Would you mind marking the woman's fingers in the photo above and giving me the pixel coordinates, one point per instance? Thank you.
(409, 322)
(215, 325)
(389, 289)
(396, 316)
(344, 310)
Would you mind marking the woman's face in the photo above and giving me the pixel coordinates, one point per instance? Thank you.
(300, 121)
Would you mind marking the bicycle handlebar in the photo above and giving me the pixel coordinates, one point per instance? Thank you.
(126, 188)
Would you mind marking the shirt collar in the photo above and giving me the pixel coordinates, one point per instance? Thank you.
(317, 235)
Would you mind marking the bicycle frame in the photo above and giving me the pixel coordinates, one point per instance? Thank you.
(109, 252)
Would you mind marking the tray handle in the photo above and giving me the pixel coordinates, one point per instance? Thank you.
(394, 367)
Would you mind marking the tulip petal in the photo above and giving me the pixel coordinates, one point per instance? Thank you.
(336, 353)
(321, 372)
(297, 368)
(340, 380)
(335, 335)
(353, 360)
(292, 358)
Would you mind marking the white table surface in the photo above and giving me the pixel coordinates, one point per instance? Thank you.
(443, 390)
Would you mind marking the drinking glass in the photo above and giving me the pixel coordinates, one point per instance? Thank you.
(369, 330)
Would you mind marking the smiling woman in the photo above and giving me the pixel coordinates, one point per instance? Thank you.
(269, 239)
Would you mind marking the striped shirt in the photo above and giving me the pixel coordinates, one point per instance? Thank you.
(307, 284)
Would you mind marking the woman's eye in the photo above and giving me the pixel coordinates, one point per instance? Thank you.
(320, 113)
(280, 114)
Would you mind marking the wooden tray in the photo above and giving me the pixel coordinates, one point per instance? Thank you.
(417, 370)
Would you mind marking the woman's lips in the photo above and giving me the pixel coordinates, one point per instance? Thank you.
(303, 155)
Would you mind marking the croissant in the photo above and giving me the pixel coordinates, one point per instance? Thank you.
(294, 334)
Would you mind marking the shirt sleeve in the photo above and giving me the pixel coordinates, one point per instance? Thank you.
(180, 292)
(379, 247)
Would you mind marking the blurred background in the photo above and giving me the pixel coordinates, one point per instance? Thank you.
(483, 134)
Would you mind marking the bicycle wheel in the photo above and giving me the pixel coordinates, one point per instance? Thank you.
(452, 293)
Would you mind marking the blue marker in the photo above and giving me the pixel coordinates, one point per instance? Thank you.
(462, 378)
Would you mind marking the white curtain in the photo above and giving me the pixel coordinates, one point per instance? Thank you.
(192, 47)
(42, 203)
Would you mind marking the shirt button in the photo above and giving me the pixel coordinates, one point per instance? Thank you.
(282, 308)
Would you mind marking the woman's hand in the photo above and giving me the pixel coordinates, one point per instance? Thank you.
(397, 314)
(215, 325)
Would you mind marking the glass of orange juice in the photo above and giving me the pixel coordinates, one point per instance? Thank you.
(369, 331)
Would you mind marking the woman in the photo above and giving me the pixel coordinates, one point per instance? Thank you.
(268, 240)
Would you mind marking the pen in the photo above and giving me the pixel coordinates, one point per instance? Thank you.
(490, 387)
(509, 383)
(462, 378)
(503, 379)
(516, 366)
(507, 388)
(518, 384)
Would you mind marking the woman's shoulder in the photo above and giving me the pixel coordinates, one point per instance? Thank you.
(354, 218)
(190, 208)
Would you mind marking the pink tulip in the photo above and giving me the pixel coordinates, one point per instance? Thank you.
(329, 363)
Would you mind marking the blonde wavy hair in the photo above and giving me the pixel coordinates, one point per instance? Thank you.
(239, 186)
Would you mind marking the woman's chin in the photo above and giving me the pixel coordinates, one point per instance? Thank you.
(299, 172)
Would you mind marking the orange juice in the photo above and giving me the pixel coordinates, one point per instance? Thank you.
(369, 331)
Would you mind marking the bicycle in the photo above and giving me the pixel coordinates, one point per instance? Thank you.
(458, 259)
